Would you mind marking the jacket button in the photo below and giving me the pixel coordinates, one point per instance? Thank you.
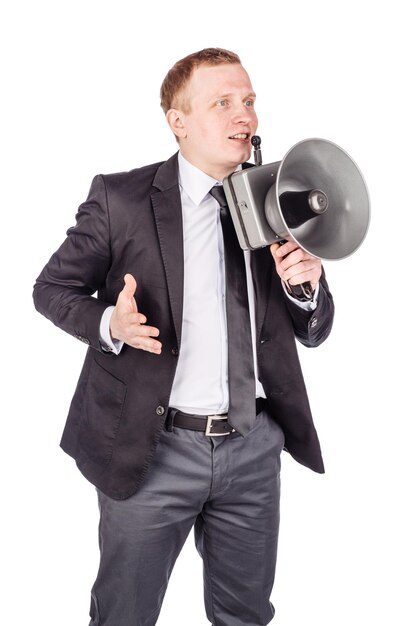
(313, 322)
(175, 351)
(160, 410)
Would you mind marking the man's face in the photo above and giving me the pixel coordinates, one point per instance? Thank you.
(217, 127)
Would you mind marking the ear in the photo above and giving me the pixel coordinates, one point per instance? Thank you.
(175, 120)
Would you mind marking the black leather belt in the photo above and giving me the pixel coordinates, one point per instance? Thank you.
(211, 425)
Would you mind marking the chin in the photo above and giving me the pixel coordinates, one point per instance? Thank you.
(241, 153)
(246, 151)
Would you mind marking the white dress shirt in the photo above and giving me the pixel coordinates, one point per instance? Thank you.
(200, 383)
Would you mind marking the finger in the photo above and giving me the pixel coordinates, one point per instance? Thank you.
(308, 271)
(283, 265)
(135, 319)
(302, 279)
(147, 331)
(147, 344)
(297, 256)
(135, 331)
(130, 286)
(279, 251)
(302, 268)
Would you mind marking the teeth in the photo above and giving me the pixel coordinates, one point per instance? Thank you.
(240, 136)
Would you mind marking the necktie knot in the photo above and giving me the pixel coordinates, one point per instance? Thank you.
(218, 194)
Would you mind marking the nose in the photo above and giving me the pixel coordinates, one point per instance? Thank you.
(242, 114)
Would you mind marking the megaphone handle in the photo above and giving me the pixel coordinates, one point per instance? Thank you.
(301, 292)
(304, 291)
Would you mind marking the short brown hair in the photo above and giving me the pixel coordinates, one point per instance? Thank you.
(178, 76)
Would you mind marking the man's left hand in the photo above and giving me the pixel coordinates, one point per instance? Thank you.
(294, 265)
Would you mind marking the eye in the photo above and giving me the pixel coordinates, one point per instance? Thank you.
(221, 103)
(249, 103)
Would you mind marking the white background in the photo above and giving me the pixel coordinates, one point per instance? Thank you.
(80, 84)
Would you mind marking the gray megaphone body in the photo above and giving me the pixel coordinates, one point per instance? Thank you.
(316, 196)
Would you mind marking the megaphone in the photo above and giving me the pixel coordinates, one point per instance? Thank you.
(316, 196)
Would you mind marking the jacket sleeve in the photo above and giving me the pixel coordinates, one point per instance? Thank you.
(64, 290)
(313, 327)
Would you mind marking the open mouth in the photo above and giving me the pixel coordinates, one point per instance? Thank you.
(240, 137)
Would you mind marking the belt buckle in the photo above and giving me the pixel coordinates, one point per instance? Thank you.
(210, 420)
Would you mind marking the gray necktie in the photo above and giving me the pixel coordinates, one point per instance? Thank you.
(242, 400)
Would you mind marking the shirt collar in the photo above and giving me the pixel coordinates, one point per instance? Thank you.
(194, 181)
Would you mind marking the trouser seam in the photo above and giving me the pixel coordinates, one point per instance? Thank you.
(208, 568)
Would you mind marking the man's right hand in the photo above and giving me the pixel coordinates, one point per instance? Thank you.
(128, 325)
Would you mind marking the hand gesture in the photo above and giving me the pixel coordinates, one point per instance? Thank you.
(128, 325)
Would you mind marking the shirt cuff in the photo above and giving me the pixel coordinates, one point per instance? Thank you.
(310, 305)
(107, 343)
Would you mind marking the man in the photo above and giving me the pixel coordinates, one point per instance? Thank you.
(150, 242)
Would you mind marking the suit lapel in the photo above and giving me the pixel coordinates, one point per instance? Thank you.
(166, 202)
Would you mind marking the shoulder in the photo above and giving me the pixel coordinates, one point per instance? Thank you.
(140, 182)
(123, 180)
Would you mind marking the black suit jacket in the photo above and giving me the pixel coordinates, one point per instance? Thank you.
(132, 223)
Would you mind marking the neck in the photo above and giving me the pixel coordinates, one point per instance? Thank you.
(216, 171)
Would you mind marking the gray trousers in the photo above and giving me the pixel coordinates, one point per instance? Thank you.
(228, 489)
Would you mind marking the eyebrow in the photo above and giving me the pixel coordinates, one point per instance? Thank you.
(251, 94)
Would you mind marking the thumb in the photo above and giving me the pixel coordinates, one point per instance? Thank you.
(130, 286)
(126, 301)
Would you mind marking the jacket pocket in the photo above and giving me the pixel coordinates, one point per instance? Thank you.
(103, 408)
